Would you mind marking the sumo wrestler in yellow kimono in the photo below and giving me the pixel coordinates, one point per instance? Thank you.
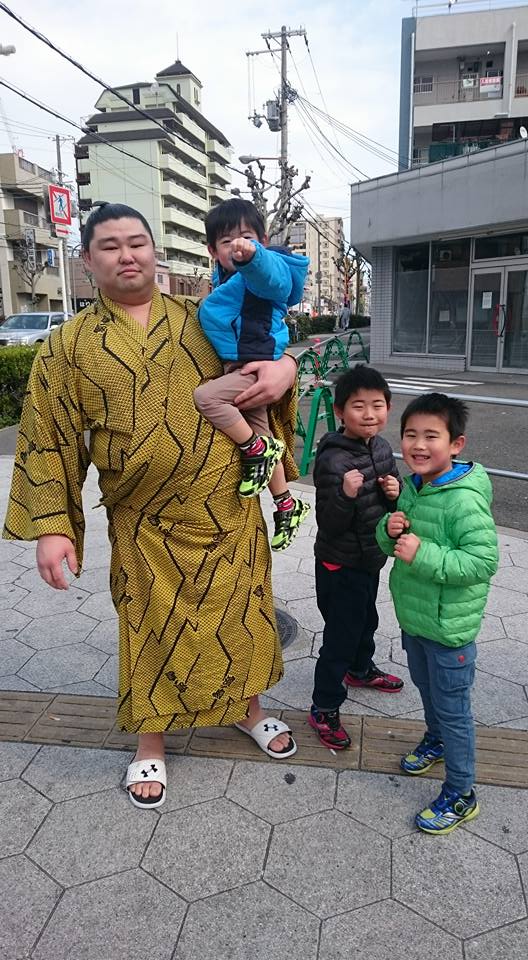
(190, 568)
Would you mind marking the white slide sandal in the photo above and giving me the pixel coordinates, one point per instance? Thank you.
(265, 731)
(147, 771)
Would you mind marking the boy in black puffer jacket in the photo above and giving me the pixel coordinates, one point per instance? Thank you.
(356, 481)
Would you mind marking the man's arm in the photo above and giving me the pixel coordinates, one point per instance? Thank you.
(274, 379)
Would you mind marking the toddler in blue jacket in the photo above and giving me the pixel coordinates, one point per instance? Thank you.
(243, 318)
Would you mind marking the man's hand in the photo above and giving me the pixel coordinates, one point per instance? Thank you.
(52, 549)
(352, 481)
(274, 378)
(390, 486)
(407, 547)
(242, 250)
(397, 524)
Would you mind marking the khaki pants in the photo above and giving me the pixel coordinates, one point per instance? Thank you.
(214, 400)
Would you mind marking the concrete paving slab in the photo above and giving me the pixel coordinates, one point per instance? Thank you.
(77, 772)
(56, 631)
(11, 623)
(208, 848)
(195, 780)
(14, 758)
(344, 865)
(495, 700)
(92, 837)
(63, 665)
(387, 804)
(503, 819)
(10, 595)
(504, 658)
(114, 918)
(508, 943)
(279, 793)
(516, 627)
(22, 810)
(27, 897)
(476, 883)
(384, 930)
(13, 656)
(253, 922)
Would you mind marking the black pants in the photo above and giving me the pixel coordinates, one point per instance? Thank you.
(347, 601)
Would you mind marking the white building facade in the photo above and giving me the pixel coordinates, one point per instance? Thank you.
(173, 167)
(323, 242)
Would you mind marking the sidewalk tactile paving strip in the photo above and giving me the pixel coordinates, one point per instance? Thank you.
(377, 742)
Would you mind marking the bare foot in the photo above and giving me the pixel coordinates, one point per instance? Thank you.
(255, 715)
(150, 745)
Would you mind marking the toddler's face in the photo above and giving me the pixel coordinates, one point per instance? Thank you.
(222, 249)
(364, 414)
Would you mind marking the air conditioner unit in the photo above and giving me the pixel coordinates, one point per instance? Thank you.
(444, 256)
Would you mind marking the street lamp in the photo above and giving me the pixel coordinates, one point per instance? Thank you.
(250, 159)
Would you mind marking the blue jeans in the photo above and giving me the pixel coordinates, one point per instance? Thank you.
(444, 676)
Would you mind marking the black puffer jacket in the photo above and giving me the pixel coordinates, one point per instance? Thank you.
(346, 525)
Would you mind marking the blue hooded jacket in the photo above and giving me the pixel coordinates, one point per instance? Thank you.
(243, 318)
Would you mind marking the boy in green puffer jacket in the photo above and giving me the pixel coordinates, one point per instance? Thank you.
(444, 541)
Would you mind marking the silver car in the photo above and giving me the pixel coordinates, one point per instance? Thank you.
(26, 328)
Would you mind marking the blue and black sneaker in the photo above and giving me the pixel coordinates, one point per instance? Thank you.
(448, 811)
(429, 751)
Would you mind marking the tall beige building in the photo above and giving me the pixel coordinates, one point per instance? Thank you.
(322, 240)
(172, 174)
(27, 238)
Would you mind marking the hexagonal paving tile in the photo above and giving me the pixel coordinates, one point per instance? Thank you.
(509, 943)
(385, 930)
(391, 705)
(99, 606)
(295, 688)
(129, 915)
(62, 773)
(13, 656)
(278, 793)
(504, 658)
(193, 780)
(516, 627)
(46, 632)
(10, 595)
(307, 614)
(9, 572)
(502, 602)
(14, 758)
(108, 674)
(12, 623)
(388, 623)
(10, 550)
(207, 848)
(60, 665)
(491, 628)
(351, 864)
(513, 578)
(92, 837)
(477, 884)
(495, 700)
(249, 923)
(503, 819)
(104, 637)
(295, 586)
(96, 580)
(387, 803)
(27, 897)
(22, 810)
(55, 602)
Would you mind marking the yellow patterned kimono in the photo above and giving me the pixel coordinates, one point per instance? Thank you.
(190, 568)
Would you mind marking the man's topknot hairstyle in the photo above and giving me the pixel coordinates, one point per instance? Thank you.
(228, 215)
(110, 211)
(453, 412)
(358, 378)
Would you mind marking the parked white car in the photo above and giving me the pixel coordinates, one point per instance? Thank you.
(26, 328)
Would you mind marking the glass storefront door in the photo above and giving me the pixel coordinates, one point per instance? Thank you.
(499, 319)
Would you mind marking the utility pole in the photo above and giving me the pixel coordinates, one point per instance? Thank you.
(5, 276)
(63, 248)
(281, 37)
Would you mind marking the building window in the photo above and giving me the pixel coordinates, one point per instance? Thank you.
(135, 94)
(449, 296)
(410, 318)
(505, 245)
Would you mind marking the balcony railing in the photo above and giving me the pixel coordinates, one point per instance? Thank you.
(463, 90)
(521, 85)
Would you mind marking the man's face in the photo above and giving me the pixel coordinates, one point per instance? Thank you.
(222, 248)
(122, 260)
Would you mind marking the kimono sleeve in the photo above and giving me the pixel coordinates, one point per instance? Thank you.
(51, 457)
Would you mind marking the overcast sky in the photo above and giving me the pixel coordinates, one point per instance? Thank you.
(354, 47)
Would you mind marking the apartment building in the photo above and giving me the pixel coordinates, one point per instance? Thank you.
(322, 240)
(173, 167)
(464, 81)
(29, 272)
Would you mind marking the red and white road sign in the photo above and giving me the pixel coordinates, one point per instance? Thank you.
(60, 208)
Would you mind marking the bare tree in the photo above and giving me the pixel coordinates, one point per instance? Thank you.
(350, 266)
(27, 266)
(285, 210)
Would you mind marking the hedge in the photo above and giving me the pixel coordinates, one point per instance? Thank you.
(15, 366)
(307, 326)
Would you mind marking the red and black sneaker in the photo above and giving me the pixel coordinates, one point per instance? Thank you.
(375, 679)
(329, 728)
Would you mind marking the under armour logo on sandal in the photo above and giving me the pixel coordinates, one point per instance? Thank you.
(153, 767)
(267, 727)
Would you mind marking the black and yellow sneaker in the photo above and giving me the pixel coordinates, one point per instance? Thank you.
(429, 751)
(287, 523)
(448, 811)
(258, 468)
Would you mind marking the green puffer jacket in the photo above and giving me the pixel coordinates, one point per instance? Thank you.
(442, 594)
